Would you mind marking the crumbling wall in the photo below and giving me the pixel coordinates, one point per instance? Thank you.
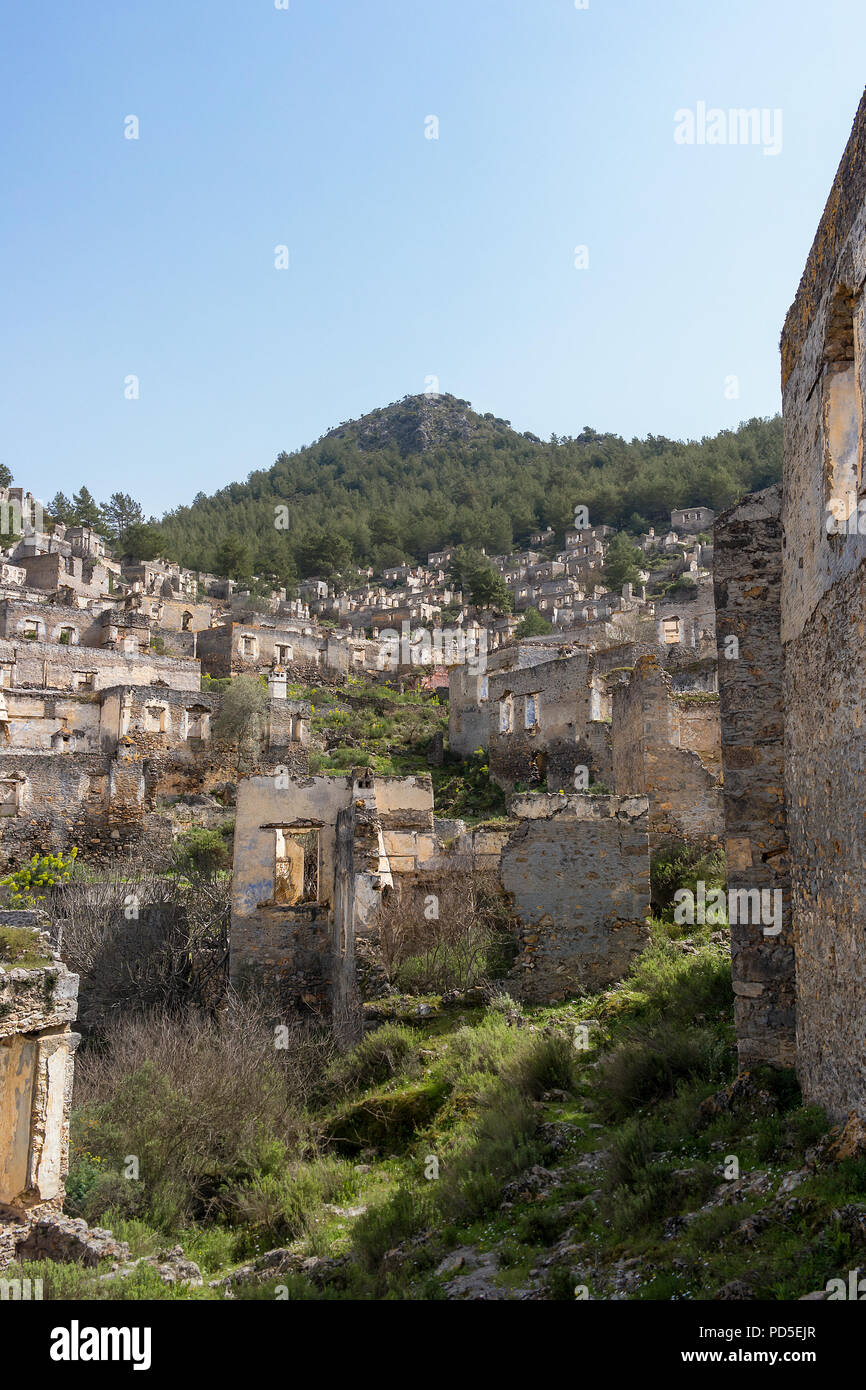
(556, 740)
(37, 1005)
(467, 711)
(666, 747)
(747, 568)
(577, 870)
(54, 666)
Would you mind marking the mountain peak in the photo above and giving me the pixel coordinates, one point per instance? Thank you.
(419, 423)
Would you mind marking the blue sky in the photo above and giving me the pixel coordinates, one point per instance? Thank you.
(410, 258)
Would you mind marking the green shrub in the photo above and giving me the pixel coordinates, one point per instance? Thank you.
(392, 1050)
(676, 865)
(650, 1063)
(542, 1064)
(401, 1217)
(28, 885)
(200, 851)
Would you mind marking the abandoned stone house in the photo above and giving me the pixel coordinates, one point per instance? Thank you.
(547, 720)
(691, 521)
(312, 857)
(53, 571)
(792, 702)
(162, 579)
(259, 645)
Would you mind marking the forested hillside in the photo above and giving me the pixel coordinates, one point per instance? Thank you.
(428, 472)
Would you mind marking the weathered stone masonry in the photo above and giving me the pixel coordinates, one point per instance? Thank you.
(747, 575)
(666, 746)
(38, 1002)
(823, 603)
(577, 870)
(791, 585)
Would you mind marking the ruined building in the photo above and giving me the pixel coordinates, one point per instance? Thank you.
(38, 1001)
(795, 597)
(312, 856)
(666, 746)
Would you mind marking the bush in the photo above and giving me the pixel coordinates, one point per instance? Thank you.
(650, 1063)
(542, 1064)
(31, 883)
(466, 943)
(390, 1051)
(177, 955)
(175, 1092)
(676, 865)
(382, 1228)
(20, 946)
(200, 851)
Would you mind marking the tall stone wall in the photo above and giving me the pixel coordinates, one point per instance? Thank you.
(467, 711)
(747, 572)
(824, 638)
(577, 869)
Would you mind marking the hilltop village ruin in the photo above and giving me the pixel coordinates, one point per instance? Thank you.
(726, 713)
(106, 711)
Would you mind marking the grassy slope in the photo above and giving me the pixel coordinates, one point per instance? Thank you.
(619, 1152)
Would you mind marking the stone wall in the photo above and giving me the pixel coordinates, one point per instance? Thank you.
(577, 870)
(467, 711)
(37, 1005)
(666, 746)
(568, 701)
(823, 602)
(53, 666)
(747, 568)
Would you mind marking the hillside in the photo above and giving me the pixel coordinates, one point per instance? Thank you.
(471, 1148)
(427, 472)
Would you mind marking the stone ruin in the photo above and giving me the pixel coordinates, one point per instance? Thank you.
(790, 580)
(38, 1005)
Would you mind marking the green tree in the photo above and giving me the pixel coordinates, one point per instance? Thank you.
(85, 509)
(323, 551)
(621, 562)
(5, 476)
(533, 625)
(119, 513)
(143, 541)
(201, 853)
(233, 559)
(273, 561)
(242, 720)
(488, 589)
(62, 509)
(464, 563)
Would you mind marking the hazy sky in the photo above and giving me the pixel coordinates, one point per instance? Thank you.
(409, 258)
